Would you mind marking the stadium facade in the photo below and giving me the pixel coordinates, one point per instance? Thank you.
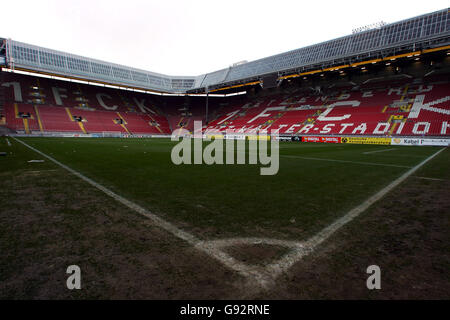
(388, 81)
(426, 32)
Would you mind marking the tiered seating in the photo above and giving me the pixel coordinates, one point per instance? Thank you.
(140, 124)
(56, 119)
(182, 114)
(383, 110)
(55, 106)
(21, 117)
(399, 107)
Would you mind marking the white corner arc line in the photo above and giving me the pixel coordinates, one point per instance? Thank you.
(310, 245)
(384, 150)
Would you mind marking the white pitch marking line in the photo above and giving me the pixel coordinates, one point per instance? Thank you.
(38, 171)
(310, 245)
(302, 249)
(254, 241)
(210, 250)
(433, 179)
(369, 152)
(8, 143)
(264, 276)
(348, 161)
(336, 160)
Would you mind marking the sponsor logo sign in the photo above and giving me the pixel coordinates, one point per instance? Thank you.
(285, 138)
(420, 142)
(364, 140)
(435, 142)
(322, 139)
(405, 142)
(331, 139)
(258, 137)
(311, 139)
(235, 137)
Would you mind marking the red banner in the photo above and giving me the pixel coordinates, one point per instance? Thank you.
(311, 139)
(322, 139)
(331, 139)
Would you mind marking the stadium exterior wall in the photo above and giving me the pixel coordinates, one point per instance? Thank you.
(428, 30)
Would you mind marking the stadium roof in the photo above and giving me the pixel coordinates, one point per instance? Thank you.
(414, 34)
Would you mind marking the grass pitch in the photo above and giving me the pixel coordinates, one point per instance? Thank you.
(315, 185)
(235, 200)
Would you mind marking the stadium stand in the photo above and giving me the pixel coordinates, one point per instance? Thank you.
(392, 80)
(389, 108)
(34, 104)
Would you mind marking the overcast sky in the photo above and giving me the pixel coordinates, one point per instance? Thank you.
(178, 37)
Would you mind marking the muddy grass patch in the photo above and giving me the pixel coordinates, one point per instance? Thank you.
(407, 238)
(256, 254)
(52, 220)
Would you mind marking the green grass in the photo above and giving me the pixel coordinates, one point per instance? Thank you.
(220, 201)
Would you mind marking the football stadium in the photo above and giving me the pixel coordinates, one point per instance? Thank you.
(317, 173)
